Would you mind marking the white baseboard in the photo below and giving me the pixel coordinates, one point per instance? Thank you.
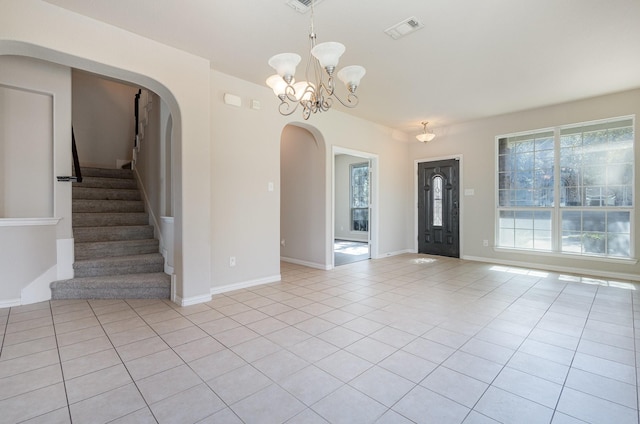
(39, 290)
(245, 284)
(194, 300)
(396, 253)
(306, 263)
(10, 303)
(554, 268)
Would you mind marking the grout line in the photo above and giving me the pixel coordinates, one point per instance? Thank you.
(64, 380)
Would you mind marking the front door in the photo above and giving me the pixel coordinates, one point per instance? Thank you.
(438, 200)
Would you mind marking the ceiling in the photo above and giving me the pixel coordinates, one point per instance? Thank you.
(473, 59)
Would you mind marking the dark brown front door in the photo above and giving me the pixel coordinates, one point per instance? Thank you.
(438, 202)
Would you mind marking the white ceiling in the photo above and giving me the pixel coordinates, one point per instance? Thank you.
(473, 59)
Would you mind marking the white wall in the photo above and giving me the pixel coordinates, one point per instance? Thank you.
(36, 250)
(246, 157)
(103, 119)
(476, 141)
(38, 29)
(26, 152)
(302, 211)
(342, 196)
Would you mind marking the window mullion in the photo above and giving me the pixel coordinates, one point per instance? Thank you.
(556, 218)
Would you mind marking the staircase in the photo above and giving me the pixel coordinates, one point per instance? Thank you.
(116, 254)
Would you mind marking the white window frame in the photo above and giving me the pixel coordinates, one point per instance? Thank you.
(351, 207)
(556, 209)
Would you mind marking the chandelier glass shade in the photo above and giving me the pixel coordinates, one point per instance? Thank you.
(317, 92)
(425, 136)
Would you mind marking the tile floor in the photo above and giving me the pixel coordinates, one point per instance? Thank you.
(405, 339)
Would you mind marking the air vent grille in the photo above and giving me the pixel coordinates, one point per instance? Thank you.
(404, 28)
(302, 6)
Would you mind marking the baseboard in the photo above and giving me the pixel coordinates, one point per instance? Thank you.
(10, 303)
(39, 290)
(194, 300)
(245, 284)
(350, 239)
(306, 263)
(396, 253)
(554, 268)
(157, 232)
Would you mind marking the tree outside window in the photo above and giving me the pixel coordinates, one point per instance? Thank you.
(359, 176)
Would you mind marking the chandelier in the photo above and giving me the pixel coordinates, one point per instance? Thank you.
(317, 91)
(425, 136)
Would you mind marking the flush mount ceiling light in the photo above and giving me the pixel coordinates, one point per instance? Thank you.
(316, 92)
(425, 136)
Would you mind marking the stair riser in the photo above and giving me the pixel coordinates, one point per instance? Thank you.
(109, 219)
(101, 182)
(118, 270)
(115, 293)
(97, 182)
(89, 234)
(106, 173)
(103, 206)
(89, 193)
(107, 251)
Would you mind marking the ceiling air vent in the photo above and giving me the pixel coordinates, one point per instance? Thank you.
(302, 5)
(403, 28)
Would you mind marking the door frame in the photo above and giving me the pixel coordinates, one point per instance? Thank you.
(373, 199)
(461, 200)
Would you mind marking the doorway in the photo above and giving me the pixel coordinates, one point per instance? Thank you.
(438, 207)
(353, 206)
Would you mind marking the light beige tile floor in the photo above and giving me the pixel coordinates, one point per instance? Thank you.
(405, 339)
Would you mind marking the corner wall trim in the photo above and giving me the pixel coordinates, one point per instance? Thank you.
(245, 284)
(553, 268)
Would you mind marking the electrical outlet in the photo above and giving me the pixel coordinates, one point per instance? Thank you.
(485, 243)
(283, 243)
(232, 261)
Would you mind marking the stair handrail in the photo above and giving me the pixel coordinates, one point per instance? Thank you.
(76, 162)
(137, 116)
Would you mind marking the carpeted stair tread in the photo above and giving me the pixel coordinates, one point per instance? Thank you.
(128, 232)
(103, 249)
(94, 193)
(109, 219)
(127, 286)
(100, 206)
(118, 265)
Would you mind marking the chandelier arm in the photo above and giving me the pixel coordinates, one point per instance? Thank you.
(285, 108)
(290, 94)
(351, 101)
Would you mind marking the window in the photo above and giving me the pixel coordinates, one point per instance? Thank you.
(569, 189)
(437, 201)
(359, 174)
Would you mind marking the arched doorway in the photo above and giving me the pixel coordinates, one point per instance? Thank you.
(303, 197)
